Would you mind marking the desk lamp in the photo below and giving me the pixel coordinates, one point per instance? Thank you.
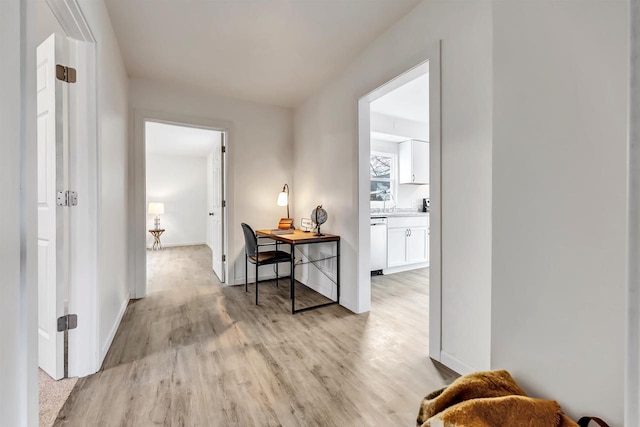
(156, 209)
(283, 200)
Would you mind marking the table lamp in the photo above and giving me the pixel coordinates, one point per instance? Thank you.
(156, 209)
(283, 200)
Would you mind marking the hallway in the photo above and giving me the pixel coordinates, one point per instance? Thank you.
(196, 353)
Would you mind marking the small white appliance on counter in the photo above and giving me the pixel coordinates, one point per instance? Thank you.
(378, 244)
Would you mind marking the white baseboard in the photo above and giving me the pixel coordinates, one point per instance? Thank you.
(455, 364)
(240, 280)
(401, 268)
(174, 245)
(325, 290)
(349, 305)
(112, 334)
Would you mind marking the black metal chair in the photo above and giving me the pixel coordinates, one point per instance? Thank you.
(254, 256)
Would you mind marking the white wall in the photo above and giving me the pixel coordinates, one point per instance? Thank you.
(326, 128)
(632, 371)
(112, 105)
(18, 253)
(180, 182)
(259, 155)
(559, 200)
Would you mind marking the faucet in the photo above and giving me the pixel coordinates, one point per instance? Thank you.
(384, 201)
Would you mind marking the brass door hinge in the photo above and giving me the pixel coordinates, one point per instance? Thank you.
(66, 74)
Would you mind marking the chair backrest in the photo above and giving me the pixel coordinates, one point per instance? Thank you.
(250, 240)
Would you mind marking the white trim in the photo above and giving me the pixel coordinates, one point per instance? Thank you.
(112, 333)
(430, 63)
(326, 290)
(270, 276)
(137, 173)
(71, 19)
(435, 196)
(18, 189)
(177, 245)
(455, 364)
(363, 286)
(632, 367)
(402, 268)
(84, 172)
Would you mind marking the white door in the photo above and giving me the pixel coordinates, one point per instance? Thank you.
(218, 209)
(53, 221)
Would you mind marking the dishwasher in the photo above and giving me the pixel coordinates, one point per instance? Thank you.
(378, 244)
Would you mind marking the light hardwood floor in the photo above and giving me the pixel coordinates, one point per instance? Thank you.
(195, 353)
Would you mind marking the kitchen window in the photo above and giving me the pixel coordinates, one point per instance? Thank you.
(382, 172)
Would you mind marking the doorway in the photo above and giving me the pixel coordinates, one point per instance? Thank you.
(399, 178)
(399, 192)
(184, 199)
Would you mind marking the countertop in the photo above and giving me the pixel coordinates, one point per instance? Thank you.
(398, 214)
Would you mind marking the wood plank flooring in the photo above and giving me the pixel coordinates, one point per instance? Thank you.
(196, 353)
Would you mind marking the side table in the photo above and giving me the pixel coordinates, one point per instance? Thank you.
(156, 233)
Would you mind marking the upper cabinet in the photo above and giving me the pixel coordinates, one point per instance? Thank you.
(413, 159)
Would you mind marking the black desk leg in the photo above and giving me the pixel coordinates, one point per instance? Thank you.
(293, 280)
(338, 269)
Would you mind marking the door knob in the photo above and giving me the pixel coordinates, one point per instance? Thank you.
(210, 213)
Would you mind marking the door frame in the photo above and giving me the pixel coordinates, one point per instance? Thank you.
(18, 263)
(138, 195)
(430, 61)
(632, 363)
(83, 354)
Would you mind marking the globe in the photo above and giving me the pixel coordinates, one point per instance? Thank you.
(319, 216)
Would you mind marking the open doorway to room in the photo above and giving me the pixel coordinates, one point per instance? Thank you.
(184, 188)
(399, 199)
(399, 176)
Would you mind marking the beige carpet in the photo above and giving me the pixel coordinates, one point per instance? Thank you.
(53, 394)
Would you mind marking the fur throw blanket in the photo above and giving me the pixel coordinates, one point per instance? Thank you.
(488, 399)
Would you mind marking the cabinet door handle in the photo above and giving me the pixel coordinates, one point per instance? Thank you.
(413, 177)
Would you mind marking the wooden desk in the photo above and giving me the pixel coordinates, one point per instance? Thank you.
(298, 237)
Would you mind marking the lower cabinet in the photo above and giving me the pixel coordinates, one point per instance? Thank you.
(407, 241)
(418, 245)
(396, 247)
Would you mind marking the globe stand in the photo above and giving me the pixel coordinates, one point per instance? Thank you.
(320, 217)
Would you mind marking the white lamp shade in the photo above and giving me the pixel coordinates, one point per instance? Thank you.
(283, 200)
(156, 208)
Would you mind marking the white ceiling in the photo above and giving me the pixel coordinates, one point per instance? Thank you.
(270, 51)
(380, 136)
(410, 101)
(179, 140)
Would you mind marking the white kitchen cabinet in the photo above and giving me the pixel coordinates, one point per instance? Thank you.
(407, 241)
(396, 247)
(418, 245)
(413, 162)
